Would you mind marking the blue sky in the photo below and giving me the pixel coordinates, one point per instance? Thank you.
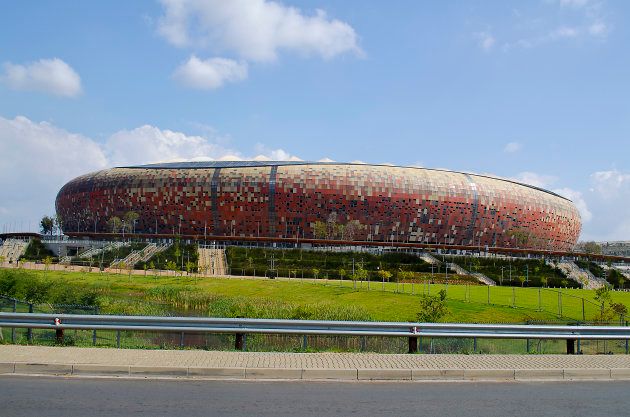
(536, 91)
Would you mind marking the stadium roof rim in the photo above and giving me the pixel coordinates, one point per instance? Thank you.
(245, 164)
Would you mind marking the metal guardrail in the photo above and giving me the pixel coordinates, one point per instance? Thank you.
(241, 326)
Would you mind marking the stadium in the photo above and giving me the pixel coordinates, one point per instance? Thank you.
(319, 200)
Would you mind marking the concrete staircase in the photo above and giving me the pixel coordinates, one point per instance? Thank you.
(427, 257)
(212, 262)
(623, 270)
(579, 275)
(12, 249)
(95, 252)
(135, 256)
(430, 259)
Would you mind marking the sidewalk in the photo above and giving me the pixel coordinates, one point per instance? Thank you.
(68, 361)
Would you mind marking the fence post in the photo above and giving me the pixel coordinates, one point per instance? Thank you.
(94, 331)
(29, 332)
(539, 299)
(583, 313)
(488, 295)
(13, 328)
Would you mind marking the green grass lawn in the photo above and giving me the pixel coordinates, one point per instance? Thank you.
(398, 302)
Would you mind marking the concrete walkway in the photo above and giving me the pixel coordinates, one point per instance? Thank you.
(69, 361)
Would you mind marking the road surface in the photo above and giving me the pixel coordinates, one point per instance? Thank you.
(55, 396)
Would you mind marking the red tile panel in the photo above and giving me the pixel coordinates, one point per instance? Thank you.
(394, 203)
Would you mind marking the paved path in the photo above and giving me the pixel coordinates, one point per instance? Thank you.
(343, 366)
(103, 397)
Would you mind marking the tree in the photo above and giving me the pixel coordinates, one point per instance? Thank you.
(564, 283)
(543, 281)
(319, 230)
(315, 272)
(171, 266)
(384, 275)
(521, 237)
(521, 279)
(331, 225)
(592, 247)
(342, 273)
(432, 307)
(47, 262)
(359, 275)
(114, 224)
(340, 230)
(353, 228)
(47, 225)
(131, 217)
(58, 223)
(190, 266)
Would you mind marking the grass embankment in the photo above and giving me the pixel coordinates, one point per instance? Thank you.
(314, 299)
(36, 251)
(516, 272)
(614, 277)
(330, 265)
(179, 256)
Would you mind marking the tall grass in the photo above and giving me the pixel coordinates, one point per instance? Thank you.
(186, 300)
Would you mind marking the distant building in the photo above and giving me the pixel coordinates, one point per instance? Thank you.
(616, 248)
(297, 199)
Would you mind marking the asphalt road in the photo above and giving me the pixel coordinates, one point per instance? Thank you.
(52, 397)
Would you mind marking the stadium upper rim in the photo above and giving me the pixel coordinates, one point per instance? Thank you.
(248, 164)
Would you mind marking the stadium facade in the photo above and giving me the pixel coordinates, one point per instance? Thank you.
(294, 199)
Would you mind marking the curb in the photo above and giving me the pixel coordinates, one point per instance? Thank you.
(313, 374)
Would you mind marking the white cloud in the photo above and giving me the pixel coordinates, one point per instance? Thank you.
(537, 180)
(274, 154)
(564, 32)
(598, 28)
(255, 30)
(148, 144)
(513, 147)
(578, 200)
(485, 40)
(610, 184)
(36, 159)
(573, 20)
(325, 160)
(52, 76)
(210, 73)
(574, 3)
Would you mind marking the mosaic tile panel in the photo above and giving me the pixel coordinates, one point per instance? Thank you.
(396, 204)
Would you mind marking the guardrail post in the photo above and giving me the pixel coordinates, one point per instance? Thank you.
(13, 328)
(94, 331)
(413, 345)
(181, 340)
(363, 346)
(239, 341)
(570, 346)
(29, 331)
(118, 339)
(304, 342)
(474, 345)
